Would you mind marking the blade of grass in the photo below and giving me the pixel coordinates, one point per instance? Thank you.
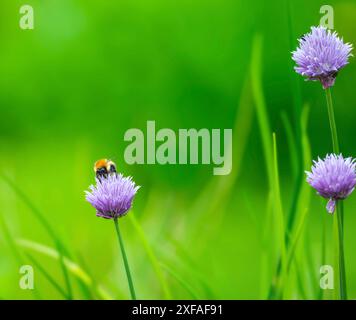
(293, 246)
(312, 268)
(299, 157)
(35, 211)
(49, 278)
(87, 294)
(341, 254)
(323, 252)
(266, 248)
(11, 242)
(17, 254)
(303, 198)
(298, 175)
(278, 214)
(300, 283)
(40, 217)
(268, 150)
(65, 272)
(292, 145)
(253, 215)
(304, 194)
(85, 267)
(294, 242)
(72, 267)
(155, 264)
(296, 90)
(260, 105)
(297, 111)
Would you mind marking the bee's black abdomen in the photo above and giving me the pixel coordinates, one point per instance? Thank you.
(101, 172)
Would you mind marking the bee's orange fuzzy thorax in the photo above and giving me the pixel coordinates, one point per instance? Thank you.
(100, 163)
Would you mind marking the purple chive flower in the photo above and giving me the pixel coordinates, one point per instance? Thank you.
(333, 178)
(112, 196)
(320, 56)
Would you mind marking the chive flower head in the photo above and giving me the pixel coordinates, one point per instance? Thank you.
(112, 196)
(334, 178)
(321, 55)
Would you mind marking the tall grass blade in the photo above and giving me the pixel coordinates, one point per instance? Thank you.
(14, 248)
(72, 267)
(297, 112)
(268, 224)
(292, 145)
(151, 256)
(40, 217)
(260, 105)
(11, 242)
(279, 215)
(323, 252)
(50, 279)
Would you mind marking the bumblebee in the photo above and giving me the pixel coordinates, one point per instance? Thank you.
(104, 167)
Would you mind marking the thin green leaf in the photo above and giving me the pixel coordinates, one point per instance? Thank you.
(278, 213)
(41, 218)
(260, 104)
(72, 267)
(151, 256)
(50, 279)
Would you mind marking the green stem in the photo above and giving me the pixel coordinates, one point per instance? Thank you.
(342, 273)
(340, 210)
(334, 138)
(126, 263)
(323, 254)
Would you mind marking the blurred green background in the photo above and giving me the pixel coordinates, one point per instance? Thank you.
(90, 70)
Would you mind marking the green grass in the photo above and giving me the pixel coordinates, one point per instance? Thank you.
(69, 93)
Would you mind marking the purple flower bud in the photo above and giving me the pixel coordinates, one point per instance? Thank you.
(330, 206)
